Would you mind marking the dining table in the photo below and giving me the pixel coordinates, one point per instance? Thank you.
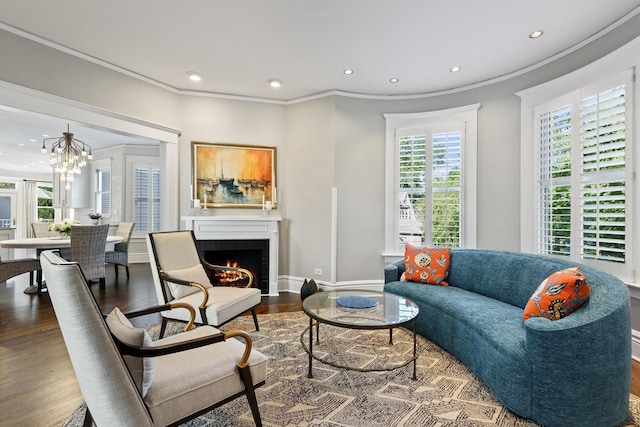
(47, 243)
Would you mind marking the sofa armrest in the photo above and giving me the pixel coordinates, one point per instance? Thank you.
(588, 352)
(393, 271)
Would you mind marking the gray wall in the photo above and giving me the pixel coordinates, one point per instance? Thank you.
(332, 142)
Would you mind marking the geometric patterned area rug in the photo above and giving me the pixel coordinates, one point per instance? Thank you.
(446, 392)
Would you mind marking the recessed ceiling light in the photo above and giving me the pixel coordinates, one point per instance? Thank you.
(194, 76)
(536, 34)
(275, 83)
(394, 80)
(348, 72)
(454, 69)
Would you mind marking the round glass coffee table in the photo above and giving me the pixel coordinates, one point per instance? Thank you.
(357, 309)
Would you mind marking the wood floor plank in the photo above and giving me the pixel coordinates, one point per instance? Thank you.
(38, 386)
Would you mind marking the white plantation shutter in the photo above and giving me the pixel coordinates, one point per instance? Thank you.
(446, 189)
(103, 191)
(603, 175)
(583, 170)
(554, 180)
(412, 175)
(146, 198)
(429, 176)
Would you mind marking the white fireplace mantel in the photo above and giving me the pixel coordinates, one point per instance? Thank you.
(241, 228)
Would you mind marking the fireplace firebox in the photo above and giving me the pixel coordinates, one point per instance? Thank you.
(252, 255)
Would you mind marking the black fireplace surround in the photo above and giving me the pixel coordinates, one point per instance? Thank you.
(252, 255)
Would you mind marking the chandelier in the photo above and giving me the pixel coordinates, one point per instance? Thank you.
(67, 156)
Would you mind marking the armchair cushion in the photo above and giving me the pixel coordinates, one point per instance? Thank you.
(223, 305)
(142, 369)
(209, 375)
(192, 274)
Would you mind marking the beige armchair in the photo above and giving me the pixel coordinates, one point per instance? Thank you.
(180, 275)
(120, 253)
(128, 380)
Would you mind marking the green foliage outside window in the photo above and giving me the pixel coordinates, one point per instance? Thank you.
(45, 203)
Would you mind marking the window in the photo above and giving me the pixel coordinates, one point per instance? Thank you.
(45, 201)
(146, 197)
(430, 193)
(429, 166)
(583, 176)
(103, 191)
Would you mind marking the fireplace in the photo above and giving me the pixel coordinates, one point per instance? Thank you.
(252, 255)
(241, 235)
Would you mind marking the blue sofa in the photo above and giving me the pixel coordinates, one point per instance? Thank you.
(571, 372)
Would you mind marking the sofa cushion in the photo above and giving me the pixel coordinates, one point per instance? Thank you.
(426, 265)
(141, 369)
(558, 295)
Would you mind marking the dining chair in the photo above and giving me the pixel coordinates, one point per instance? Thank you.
(180, 274)
(120, 253)
(41, 229)
(15, 267)
(88, 247)
(126, 379)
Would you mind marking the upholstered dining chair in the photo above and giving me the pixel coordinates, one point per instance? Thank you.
(120, 253)
(15, 267)
(126, 379)
(180, 275)
(88, 247)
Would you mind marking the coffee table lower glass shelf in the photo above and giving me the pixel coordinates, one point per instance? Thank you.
(358, 309)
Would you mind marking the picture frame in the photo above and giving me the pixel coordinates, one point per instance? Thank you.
(226, 175)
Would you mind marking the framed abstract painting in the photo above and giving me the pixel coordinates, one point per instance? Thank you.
(233, 176)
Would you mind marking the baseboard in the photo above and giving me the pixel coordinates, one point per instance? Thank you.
(293, 284)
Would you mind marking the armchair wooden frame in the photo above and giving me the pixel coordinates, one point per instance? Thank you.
(164, 277)
(242, 364)
(106, 367)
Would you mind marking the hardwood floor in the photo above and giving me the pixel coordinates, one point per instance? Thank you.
(38, 385)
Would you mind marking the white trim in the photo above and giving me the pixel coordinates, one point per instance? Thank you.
(334, 234)
(466, 114)
(65, 49)
(55, 106)
(620, 61)
(294, 283)
(635, 345)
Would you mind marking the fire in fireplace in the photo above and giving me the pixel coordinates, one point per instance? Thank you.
(252, 255)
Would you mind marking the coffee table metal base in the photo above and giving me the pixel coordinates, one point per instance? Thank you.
(309, 349)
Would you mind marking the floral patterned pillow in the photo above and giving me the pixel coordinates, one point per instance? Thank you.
(426, 265)
(558, 295)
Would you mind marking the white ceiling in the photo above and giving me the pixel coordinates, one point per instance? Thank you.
(239, 45)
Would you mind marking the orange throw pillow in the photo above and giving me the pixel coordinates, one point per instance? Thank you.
(558, 295)
(426, 265)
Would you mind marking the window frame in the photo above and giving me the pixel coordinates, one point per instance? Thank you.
(573, 88)
(98, 165)
(467, 117)
(133, 162)
(100, 192)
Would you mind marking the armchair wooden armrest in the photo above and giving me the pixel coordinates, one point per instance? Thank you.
(165, 307)
(168, 278)
(161, 350)
(224, 268)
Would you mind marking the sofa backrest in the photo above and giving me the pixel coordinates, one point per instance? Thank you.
(512, 277)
